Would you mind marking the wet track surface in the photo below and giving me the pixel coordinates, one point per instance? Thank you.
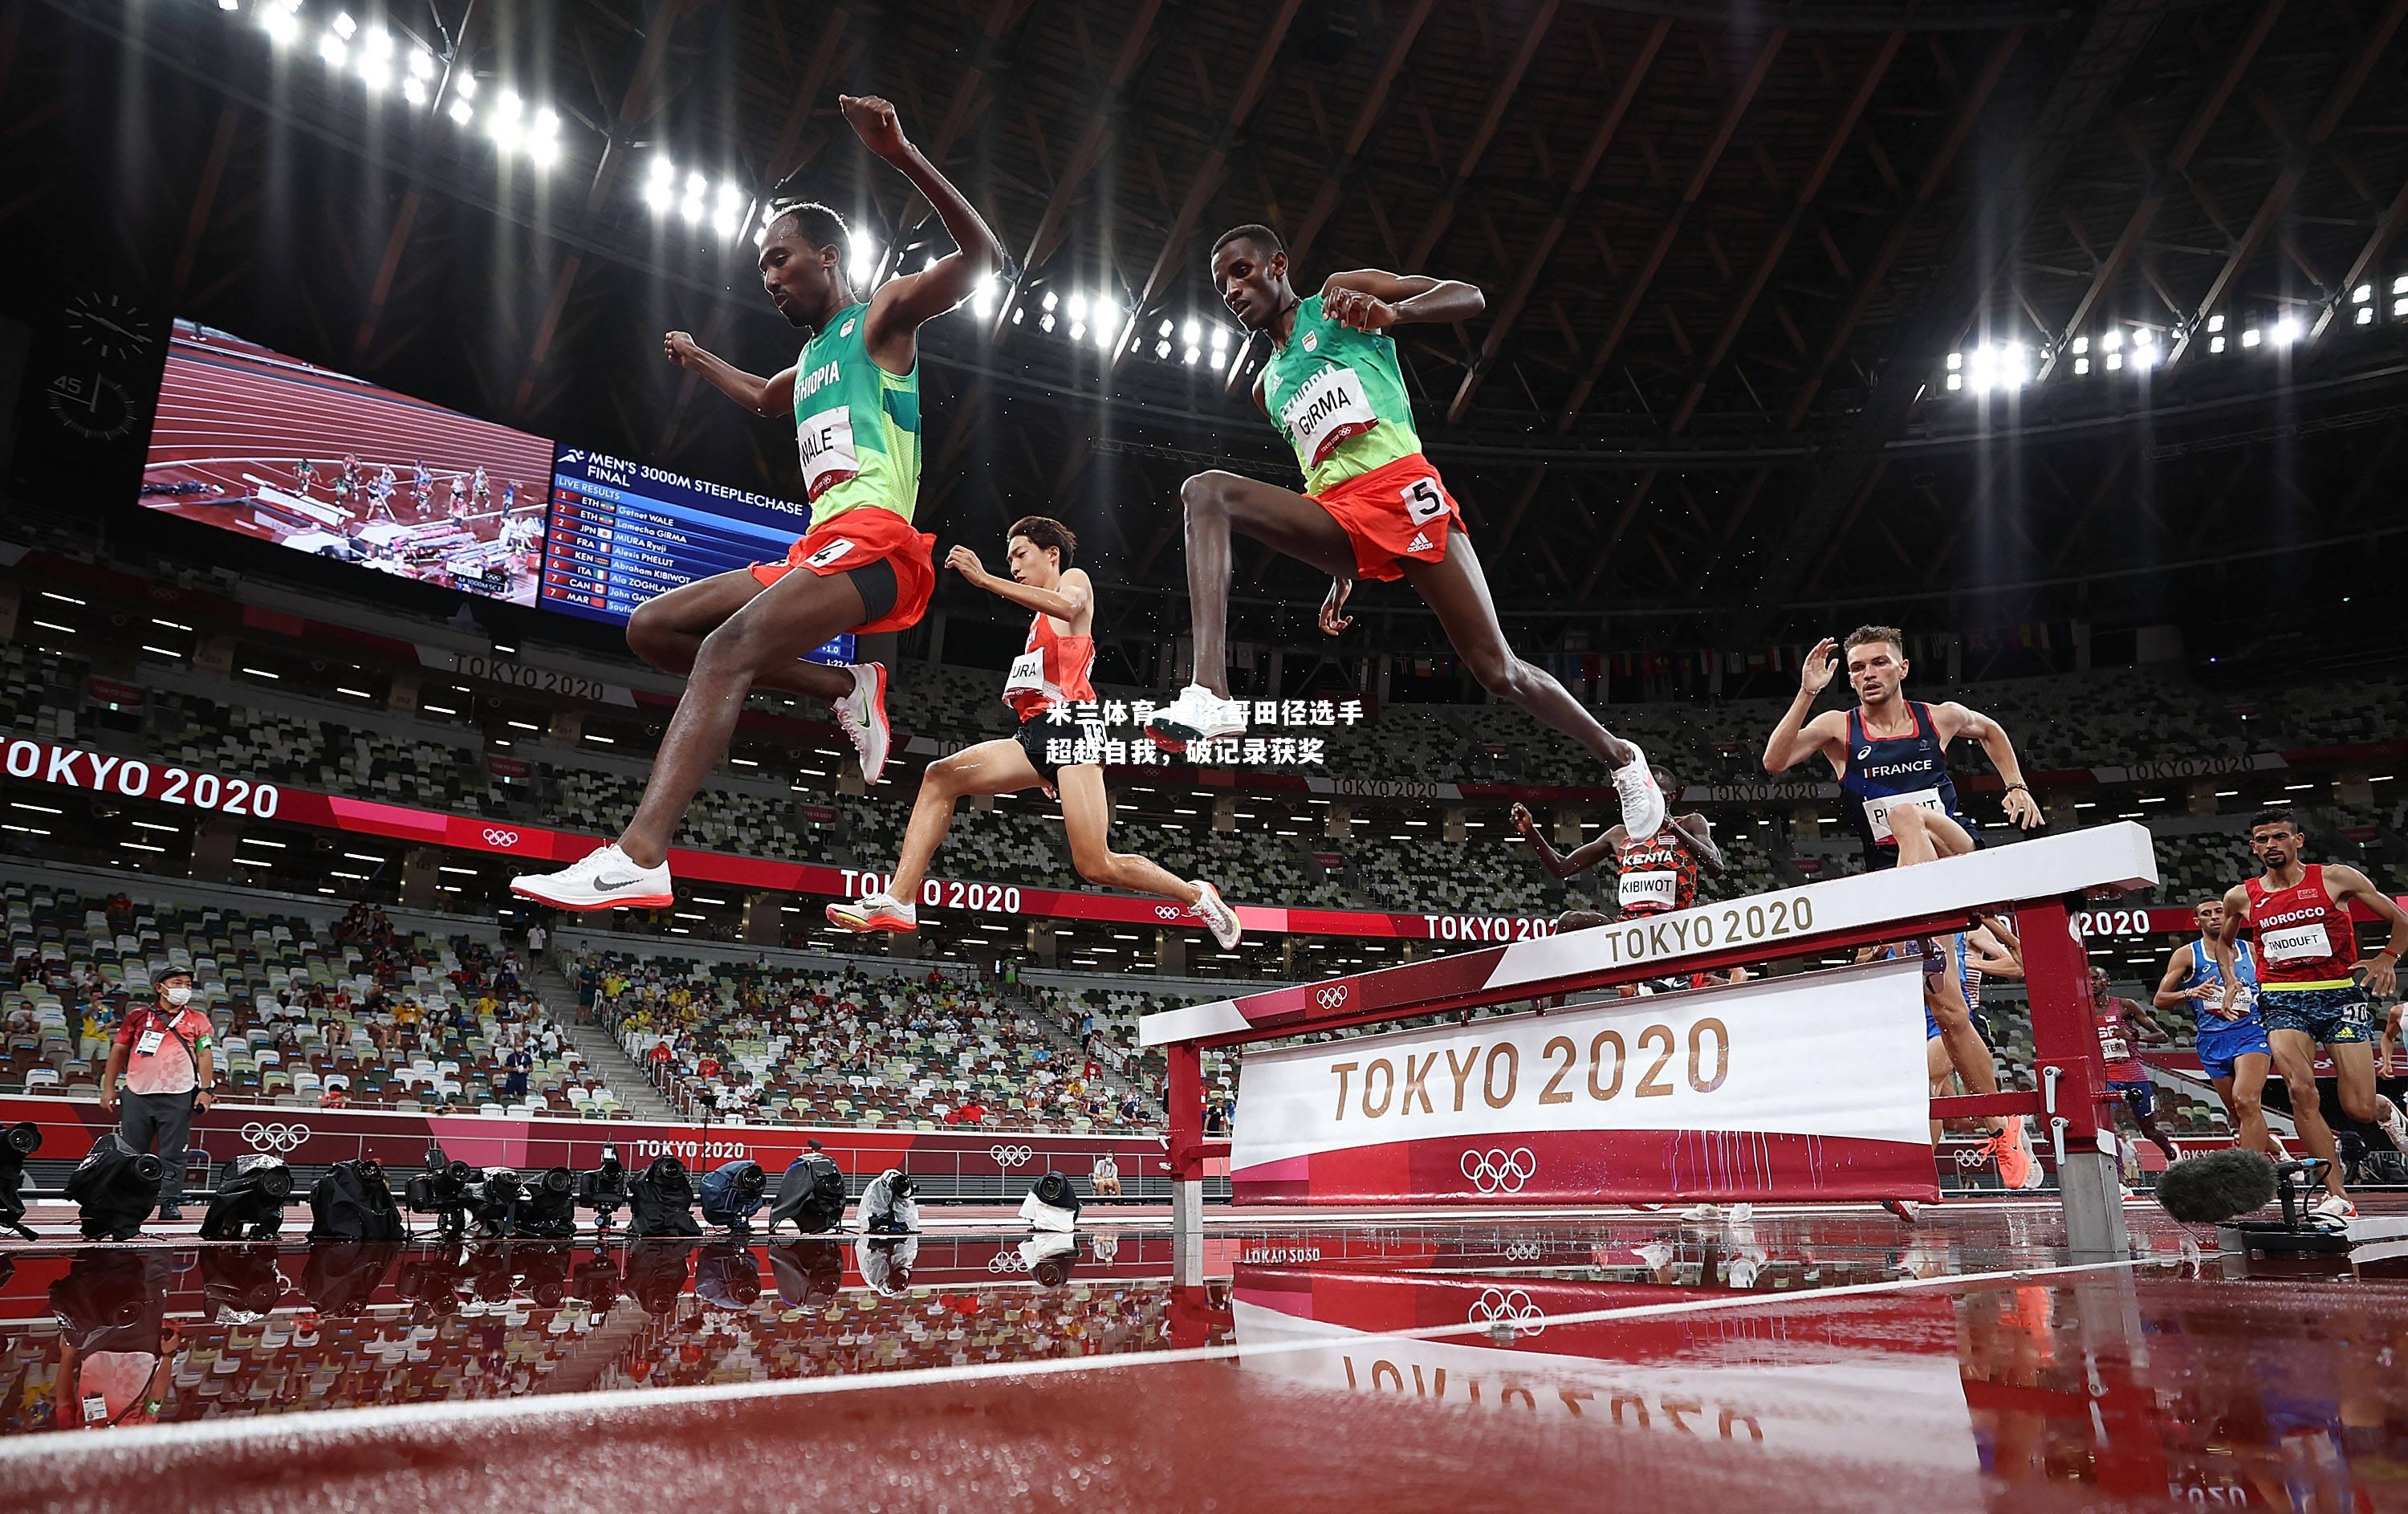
(1801, 1360)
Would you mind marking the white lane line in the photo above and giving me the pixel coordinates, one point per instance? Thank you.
(296, 1429)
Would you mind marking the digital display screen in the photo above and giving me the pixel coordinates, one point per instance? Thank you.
(252, 442)
(622, 532)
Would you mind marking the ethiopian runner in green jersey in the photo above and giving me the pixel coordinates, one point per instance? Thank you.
(1372, 505)
(854, 396)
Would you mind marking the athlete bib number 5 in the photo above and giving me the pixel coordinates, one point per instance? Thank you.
(1877, 810)
(826, 440)
(1424, 500)
(1325, 411)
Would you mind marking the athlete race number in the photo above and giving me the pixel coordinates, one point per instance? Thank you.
(2295, 943)
(1423, 500)
(1658, 890)
(1877, 810)
(825, 441)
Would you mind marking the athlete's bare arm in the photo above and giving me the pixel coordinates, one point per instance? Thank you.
(2347, 885)
(1699, 833)
(2386, 1048)
(1990, 959)
(767, 397)
(2220, 946)
(904, 302)
(1586, 856)
(1951, 720)
(1796, 738)
(1073, 600)
(1371, 300)
(2170, 994)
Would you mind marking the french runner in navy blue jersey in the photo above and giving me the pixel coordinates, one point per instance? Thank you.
(1890, 753)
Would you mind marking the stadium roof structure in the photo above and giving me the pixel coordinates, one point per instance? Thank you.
(1943, 297)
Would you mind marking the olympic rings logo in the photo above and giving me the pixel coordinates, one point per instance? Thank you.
(1507, 1306)
(500, 838)
(279, 1139)
(1011, 1156)
(1168, 912)
(1006, 1262)
(1522, 1251)
(1333, 995)
(1500, 1172)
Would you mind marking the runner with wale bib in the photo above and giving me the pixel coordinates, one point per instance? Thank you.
(1890, 754)
(854, 395)
(1054, 669)
(1374, 507)
(2311, 985)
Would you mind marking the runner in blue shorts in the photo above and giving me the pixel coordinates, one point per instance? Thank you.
(2233, 1050)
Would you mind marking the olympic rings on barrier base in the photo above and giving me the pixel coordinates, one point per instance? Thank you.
(1011, 1156)
(1498, 1306)
(1500, 1172)
(1332, 997)
(277, 1139)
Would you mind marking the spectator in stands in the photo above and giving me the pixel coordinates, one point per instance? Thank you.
(91, 1043)
(706, 1067)
(535, 938)
(516, 1064)
(1216, 1119)
(334, 1096)
(969, 1112)
(120, 909)
(21, 1019)
(1133, 1110)
(549, 1039)
(1106, 1177)
(165, 1056)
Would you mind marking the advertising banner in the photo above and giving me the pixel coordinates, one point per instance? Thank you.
(1785, 1088)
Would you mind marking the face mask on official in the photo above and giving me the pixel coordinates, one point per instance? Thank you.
(177, 994)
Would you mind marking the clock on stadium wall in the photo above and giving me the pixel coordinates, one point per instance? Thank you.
(109, 325)
(93, 405)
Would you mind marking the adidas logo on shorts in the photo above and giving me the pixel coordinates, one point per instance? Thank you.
(1421, 542)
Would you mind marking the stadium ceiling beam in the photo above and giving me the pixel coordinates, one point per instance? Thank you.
(969, 100)
(564, 279)
(205, 199)
(781, 161)
(1584, 173)
(2387, 226)
(1443, 213)
(387, 268)
(1214, 169)
(2296, 159)
(2084, 84)
(1842, 16)
(2162, 178)
(1089, 150)
(607, 173)
(1691, 192)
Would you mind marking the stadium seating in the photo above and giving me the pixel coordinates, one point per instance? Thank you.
(291, 1003)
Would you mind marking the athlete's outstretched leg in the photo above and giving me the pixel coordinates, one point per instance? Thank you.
(775, 626)
(2244, 1099)
(668, 631)
(1218, 504)
(1088, 816)
(1455, 589)
(996, 767)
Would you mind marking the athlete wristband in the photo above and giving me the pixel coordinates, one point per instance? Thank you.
(2011, 788)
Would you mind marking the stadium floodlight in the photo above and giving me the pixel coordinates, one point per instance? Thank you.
(461, 111)
(2366, 315)
(544, 138)
(1165, 332)
(660, 184)
(229, 4)
(2286, 331)
(2215, 344)
(1219, 340)
(2400, 309)
(1078, 308)
(697, 187)
(1078, 331)
(1049, 301)
(1192, 354)
(2250, 337)
(1105, 338)
(2081, 345)
(2109, 340)
(331, 48)
(465, 86)
(1045, 323)
(1956, 381)
(2081, 367)
(730, 216)
(1955, 362)
(1162, 350)
(502, 121)
(413, 89)
(2114, 361)
(2400, 285)
(1193, 332)
(1220, 360)
(2215, 323)
(864, 263)
(422, 63)
(2361, 295)
(982, 298)
(376, 61)
(277, 19)
(344, 26)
